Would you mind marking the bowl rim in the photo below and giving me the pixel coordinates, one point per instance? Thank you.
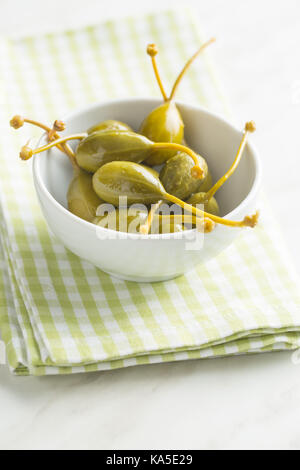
(122, 235)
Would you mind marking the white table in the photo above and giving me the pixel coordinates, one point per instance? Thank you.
(245, 402)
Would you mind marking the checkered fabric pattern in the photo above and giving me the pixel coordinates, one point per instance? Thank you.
(59, 314)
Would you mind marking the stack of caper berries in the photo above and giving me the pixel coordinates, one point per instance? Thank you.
(108, 165)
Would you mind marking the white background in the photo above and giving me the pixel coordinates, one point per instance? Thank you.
(247, 402)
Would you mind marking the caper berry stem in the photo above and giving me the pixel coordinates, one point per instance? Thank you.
(58, 126)
(145, 228)
(18, 121)
(187, 65)
(152, 50)
(249, 128)
(27, 152)
(196, 171)
(248, 221)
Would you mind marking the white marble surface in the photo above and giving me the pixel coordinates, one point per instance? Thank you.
(245, 402)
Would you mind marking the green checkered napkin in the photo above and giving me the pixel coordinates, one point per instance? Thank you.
(59, 314)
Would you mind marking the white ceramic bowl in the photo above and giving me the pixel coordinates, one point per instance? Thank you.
(154, 257)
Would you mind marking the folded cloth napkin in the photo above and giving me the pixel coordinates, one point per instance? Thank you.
(59, 314)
